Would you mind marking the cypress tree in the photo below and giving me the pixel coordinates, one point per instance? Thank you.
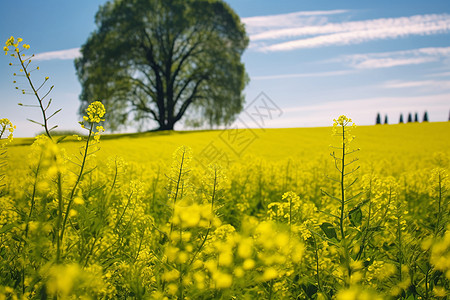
(385, 119)
(401, 119)
(416, 117)
(378, 121)
(425, 117)
(409, 117)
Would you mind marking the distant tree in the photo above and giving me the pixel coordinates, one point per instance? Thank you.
(385, 119)
(416, 117)
(425, 117)
(378, 121)
(409, 117)
(401, 118)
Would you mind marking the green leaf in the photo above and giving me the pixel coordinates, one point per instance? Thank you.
(59, 140)
(309, 289)
(355, 216)
(329, 230)
(7, 228)
(35, 122)
(54, 113)
(375, 228)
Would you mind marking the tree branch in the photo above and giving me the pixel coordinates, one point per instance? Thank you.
(191, 98)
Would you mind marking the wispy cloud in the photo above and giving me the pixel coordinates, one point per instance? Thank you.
(320, 32)
(303, 75)
(61, 54)
(391, 62)
(425, 84)
(264, 23)
(396, 58)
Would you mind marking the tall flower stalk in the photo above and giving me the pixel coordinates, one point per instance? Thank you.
(95, 113)
(342, 129)
(24, 67)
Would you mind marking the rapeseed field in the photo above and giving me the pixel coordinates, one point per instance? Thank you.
(341, 212)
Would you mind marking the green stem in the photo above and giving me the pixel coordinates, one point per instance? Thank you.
(58, 221)
(124, 210)
(209, 227)
(290, 216)
(342, 215)
(180, 173)
(399, 242)
(270, 289)
(181, 265)
(72, 193)
(41, 106)
(341, 219)
(316, 254)
(154, 185)
(426, 282)
(88, 255)
(33, 197)
(436, 229)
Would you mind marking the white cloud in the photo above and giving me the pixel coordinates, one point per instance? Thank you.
(260, 23)
(302, 75)
(61, 54)
(396, 58)
(323, 33)
(426, 84)
(391, 62)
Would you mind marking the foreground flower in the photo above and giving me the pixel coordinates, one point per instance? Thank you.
(15, 43)
(6, 126)
(95, 112)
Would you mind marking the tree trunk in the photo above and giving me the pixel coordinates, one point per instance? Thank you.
(166, 125)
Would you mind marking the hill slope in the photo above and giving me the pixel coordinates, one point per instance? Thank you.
(414, 142)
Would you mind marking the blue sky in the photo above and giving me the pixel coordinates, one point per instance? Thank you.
(315, 60)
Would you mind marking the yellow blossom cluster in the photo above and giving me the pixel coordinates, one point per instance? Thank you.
(95, 112)
(440, 254)
(6, 127)
(15, 43)
(194, 215)
(343, 127)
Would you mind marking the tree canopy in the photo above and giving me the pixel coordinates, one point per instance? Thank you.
(165, 60)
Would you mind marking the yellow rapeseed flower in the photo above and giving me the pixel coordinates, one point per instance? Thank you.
(6, 126)
(439, 291)
(10, 41)
(222, 280)
(269, 274)
(95, 112)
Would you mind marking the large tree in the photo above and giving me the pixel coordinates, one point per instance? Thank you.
(165, 59)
